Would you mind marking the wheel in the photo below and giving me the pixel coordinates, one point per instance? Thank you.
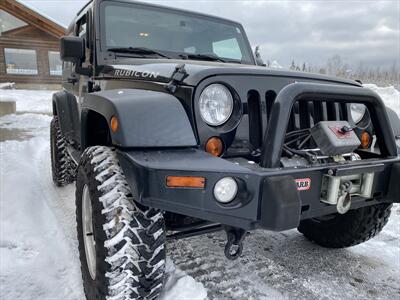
(62, 167)
(352, 228)
(121, 243)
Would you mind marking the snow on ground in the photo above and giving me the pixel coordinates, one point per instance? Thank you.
(38, 246)
(26, 121)
(7, 85)
(275, 65)
(389, 95)
(38, 254)
(29, 101)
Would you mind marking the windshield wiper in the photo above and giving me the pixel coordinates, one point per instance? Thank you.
(138, 50)
(200, 56)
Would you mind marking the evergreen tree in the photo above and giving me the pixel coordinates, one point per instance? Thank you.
(292, 66)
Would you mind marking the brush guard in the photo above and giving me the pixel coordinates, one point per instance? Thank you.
(300, 91)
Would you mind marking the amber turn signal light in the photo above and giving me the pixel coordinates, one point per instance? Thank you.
(114, 124)
(365, 140)
(214, 146)
(186, 182)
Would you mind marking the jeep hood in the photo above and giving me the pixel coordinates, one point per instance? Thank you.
(158, 70)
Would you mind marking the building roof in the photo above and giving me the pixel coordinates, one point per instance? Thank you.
(31, 16)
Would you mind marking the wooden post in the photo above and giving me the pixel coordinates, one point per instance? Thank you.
(7, 107)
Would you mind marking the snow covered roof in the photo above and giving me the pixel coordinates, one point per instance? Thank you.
(25, 3)
(32, 16)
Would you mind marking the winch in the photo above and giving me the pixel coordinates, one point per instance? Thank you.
(337, 190)
(335, 137)
(329, 141)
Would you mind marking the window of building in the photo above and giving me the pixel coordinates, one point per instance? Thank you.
(9, 22)
(55, 63)
(20, 61)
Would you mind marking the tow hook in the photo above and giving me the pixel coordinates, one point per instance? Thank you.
(344, 200)
(234, 245)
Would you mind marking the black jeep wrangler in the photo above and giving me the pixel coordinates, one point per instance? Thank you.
(172, 130)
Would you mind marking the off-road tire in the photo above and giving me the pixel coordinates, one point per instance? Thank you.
(129, 237)
(352, 228)
(63, 167)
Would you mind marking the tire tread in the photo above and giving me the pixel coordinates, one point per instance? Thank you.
(354, 227)
(134, 235)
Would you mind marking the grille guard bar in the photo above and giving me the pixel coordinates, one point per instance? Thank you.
(301, 91)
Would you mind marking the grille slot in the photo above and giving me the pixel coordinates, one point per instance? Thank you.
(255, 119)
(269, 100)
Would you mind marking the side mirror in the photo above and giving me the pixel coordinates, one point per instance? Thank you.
(72, 49)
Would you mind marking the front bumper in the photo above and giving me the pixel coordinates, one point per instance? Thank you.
(270, 199)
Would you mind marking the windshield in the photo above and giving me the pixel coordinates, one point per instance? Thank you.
(179, 33)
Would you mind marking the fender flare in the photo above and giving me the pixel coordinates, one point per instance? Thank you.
(394, 121)
(65, 107)
(145, 118)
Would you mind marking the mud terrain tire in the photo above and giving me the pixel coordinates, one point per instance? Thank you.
(129, 238)
(62, 167)
(352, 228)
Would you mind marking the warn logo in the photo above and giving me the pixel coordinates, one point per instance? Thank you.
(303, 184)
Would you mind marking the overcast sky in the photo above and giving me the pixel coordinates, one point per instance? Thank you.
(311, 31)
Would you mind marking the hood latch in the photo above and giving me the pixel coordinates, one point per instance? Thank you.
(177, 77)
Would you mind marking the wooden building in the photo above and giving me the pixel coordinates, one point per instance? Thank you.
(29, 47)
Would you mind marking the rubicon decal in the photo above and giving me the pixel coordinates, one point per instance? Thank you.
(137, 74)
(303, 184)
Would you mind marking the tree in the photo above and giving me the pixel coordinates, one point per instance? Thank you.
(334, 65)
(292, 66)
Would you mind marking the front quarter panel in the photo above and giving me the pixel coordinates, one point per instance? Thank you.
(146, 118)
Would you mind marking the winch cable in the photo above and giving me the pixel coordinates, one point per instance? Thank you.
(305, 135)
(301, 136)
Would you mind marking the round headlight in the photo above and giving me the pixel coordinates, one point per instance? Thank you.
(216, 104)
(357, 112)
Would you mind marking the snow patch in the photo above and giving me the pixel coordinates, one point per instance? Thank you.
(389, 95)
(28, 100)
(37, 261)
(275, 65)
(7, 85)
(179, 285)
(25, 121)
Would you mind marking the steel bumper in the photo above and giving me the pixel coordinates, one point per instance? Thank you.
(269, 198)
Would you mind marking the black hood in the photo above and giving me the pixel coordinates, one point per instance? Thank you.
(161, 71)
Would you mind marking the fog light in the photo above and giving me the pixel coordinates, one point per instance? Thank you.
(225, 190)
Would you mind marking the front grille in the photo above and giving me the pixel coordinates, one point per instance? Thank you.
(304, 114)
